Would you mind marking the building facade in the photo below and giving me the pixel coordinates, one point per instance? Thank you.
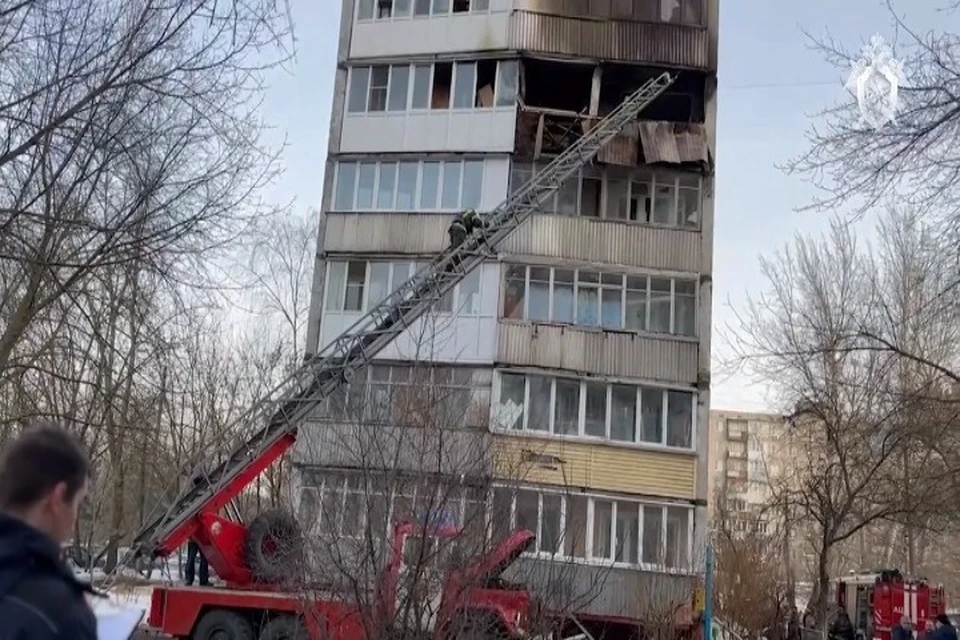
(573, 370)
(749, 454)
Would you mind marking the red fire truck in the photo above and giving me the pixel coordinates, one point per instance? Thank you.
(877, 601)
(249, 558)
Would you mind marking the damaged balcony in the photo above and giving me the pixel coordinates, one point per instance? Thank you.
(673, 33)
(560, 102)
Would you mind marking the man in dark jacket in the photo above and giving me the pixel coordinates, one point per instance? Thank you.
(193, 549)
(944, 629)
(43, 479)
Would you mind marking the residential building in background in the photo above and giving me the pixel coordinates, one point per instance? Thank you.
(580, 354)
(748, 452)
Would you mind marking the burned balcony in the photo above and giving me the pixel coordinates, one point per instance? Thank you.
(673, 33)
(559, 102)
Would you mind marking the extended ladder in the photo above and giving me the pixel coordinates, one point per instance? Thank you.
(295, 399)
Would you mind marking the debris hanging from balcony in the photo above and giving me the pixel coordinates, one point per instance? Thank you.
(674, 142)
(560, 102)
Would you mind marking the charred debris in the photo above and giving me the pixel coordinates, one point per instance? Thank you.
(560, 101)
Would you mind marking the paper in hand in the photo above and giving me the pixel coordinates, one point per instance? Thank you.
(117, 623)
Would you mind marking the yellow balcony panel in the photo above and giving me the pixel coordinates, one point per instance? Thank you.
(595, 466)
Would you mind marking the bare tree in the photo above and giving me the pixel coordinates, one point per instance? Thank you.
(850, 422)
(912, 157)
(128, 132)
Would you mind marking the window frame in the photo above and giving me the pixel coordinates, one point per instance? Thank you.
(613, 174)
(600, 286)
(413, 266)
(411, 68)
(339, 484)
(412, 14)
(592, 498)
(554, 432)
(462, 161)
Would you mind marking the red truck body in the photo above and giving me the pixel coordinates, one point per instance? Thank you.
(877, 601)
(461, 593)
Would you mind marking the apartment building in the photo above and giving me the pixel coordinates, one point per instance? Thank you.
(748, 453)
(578, 358)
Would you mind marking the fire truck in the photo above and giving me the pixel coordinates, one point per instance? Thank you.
(876, 601)
(254, 605)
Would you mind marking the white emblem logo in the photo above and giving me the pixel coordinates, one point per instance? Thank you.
(876, 79)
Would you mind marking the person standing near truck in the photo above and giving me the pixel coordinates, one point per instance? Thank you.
(43, 480)
(193, 549)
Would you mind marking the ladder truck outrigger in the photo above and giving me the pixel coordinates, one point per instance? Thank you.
(254, 605)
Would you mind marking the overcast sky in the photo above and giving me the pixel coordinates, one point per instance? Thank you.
(771, 84)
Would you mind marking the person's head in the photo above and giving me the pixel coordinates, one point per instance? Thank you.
(928, 625)
(942, 620)
(905, 622)
(43, 479)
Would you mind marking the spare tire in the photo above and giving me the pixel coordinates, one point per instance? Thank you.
(274, 547)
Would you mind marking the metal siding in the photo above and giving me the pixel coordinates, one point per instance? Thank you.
(604, 590)
(414, 233)
(667, 44)
(610, 353)
(608, 242)
(456, 451)
(598, 466)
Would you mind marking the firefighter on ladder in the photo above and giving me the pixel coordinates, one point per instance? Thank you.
(463, 225)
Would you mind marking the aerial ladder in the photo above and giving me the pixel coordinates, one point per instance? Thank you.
(194, 513)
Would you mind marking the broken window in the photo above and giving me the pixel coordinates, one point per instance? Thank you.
(639, 201)
(377, 96)
(486, 81)
(442, 82)
(590, 197)
(556, 85)
(384, 8)
(461, 6)
(465, 83)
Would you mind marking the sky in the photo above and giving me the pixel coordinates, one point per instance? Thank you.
(772, 85)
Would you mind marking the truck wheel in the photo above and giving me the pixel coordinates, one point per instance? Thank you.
(220, 624)
(284, 628)
(274, 547)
